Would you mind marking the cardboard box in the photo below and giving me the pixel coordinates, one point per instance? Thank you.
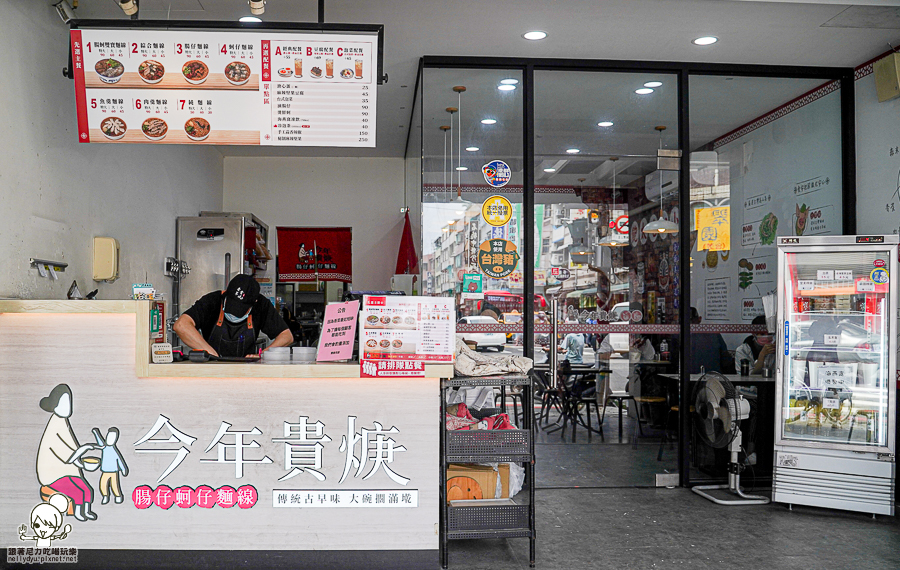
(478, 481)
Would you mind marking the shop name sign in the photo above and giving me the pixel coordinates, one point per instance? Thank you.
(225, 87)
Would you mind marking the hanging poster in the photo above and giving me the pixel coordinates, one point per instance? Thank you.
(315, 254)
(497, 258)
(184, 86)
(713, 228)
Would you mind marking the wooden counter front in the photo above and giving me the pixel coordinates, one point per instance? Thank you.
(219, 456)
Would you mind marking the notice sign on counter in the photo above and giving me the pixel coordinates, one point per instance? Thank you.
(220, 87)
(407, 328)
(338, 332)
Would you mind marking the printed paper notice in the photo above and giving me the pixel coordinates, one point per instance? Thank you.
(338, 332)
(717, 299)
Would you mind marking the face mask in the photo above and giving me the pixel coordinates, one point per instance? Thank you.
(232, 319)
(764, 339)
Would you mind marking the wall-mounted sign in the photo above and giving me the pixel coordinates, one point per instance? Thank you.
(203, 87)
(496, 173)
(497, 258)
(496, 211)
(561, 273)
(472, 286)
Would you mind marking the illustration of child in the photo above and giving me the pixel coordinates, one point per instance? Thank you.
(46, 520)
(111, 464)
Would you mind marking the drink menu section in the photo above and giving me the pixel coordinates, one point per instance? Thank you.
(246, 88)
(407, 328)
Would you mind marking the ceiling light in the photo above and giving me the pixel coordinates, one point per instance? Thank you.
(472, 148)
(460, 212)
(488, 121)
(445, 229)
(451, 222)
(573, 150)
(705, 41)
(549, 170)
(605, 124)
(246, 19)
(506, 87)
(509, 81)
(130, 7)
(653, 84)
(661, 226)
(462, 167)
(534, 35)
(643, 91)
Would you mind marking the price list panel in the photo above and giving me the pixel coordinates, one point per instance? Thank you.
(322, 93)
(408, 328)
(222, 88)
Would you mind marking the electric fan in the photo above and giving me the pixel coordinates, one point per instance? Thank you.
(718, 411)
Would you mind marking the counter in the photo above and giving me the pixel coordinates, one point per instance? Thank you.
(219, 456)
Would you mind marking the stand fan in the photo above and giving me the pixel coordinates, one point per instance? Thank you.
(718, 411)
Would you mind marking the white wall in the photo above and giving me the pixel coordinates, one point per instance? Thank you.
(877, 169)
(57, 194)
(363, 193)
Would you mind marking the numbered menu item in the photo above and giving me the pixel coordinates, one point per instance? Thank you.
(407, 328)
(190, 87)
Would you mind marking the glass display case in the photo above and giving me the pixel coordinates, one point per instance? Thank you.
(836, 402)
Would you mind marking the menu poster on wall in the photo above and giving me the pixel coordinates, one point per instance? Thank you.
(221, 88)
(405, 328)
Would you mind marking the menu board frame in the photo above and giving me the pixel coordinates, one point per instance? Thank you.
(294, 110)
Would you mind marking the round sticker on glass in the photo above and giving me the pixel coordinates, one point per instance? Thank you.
(880, 275)
(496, 173)
(496, 211)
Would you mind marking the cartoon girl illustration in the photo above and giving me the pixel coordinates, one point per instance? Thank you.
(46, 521)
(55, 468)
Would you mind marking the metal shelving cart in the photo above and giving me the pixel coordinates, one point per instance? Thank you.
(514, 519)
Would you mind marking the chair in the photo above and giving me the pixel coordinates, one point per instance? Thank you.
(516, 398)
(550, 397)
(601, 394)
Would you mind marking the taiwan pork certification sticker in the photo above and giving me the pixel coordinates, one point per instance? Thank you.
(496, 173)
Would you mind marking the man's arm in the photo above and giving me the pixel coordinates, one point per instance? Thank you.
(284, 338)
(186, 329)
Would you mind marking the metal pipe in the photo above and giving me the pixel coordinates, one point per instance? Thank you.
(554, 328)
(227, 271)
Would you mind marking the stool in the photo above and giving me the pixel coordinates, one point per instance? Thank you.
(619, 397)
(647, 401)
(47, 492)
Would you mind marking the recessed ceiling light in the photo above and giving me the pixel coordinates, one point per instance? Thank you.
(249, 19)
(506, 87)
(573, 150)
(653, 84)
(462, 167)
(549, 170)
(605, 124)
(534, 35)
(460, 212)
(509, 81)
(643, 91)
(705, 40)
(472, 148)
(488, 121)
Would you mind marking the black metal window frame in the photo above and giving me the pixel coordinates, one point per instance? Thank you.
(683, 71)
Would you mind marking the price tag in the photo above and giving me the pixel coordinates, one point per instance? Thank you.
(825, 275)
(806, 285)
(831, 403)
(832, 339)
(843, 274)
(865, 286)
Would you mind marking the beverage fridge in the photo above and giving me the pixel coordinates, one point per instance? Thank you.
(836, 372)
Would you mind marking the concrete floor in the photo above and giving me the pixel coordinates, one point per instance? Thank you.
(674, 528)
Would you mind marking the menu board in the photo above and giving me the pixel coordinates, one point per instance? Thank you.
(243, 88)
(399, 327)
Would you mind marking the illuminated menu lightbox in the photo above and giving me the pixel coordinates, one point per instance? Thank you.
(225, 88)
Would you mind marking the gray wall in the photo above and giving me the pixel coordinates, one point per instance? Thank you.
(57, 194)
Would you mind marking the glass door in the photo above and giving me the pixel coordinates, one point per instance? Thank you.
(836, 388)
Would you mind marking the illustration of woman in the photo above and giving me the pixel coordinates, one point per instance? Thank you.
(57, 446)
(46, 520)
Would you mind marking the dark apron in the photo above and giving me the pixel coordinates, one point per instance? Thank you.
(233, 339)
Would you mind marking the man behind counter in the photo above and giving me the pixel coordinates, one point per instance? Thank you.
(227, 323)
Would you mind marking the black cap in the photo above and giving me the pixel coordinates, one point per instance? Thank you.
(241, 294)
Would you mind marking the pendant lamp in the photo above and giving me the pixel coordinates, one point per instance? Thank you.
(459, 90)
(661, 226)
(608, 240)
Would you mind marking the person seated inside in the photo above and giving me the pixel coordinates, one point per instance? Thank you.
(755, 348)
(709, 353)
(227, 323)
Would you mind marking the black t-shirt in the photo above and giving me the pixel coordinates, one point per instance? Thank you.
(205, 313)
